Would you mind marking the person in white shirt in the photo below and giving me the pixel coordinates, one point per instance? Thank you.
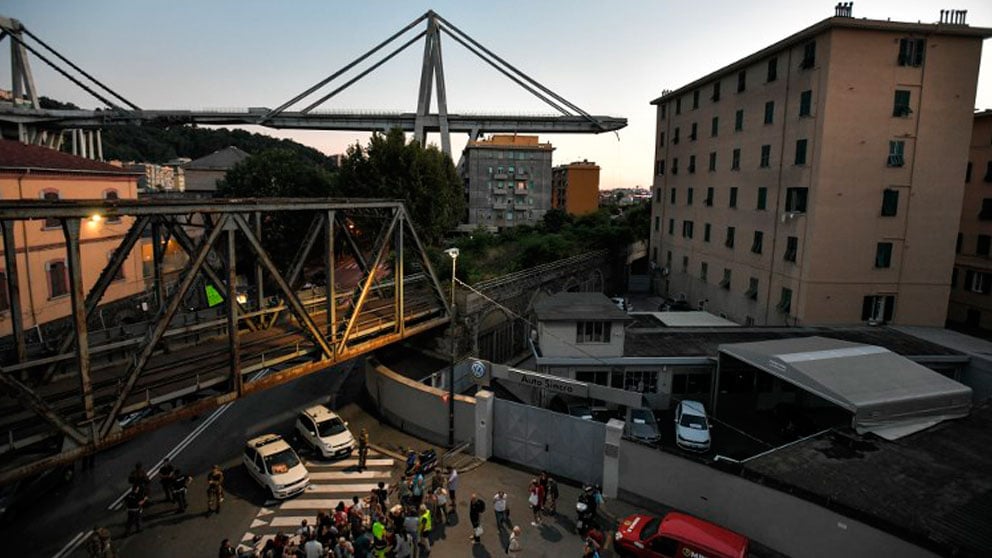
(452, 487)
(499, 508)
(313, 549)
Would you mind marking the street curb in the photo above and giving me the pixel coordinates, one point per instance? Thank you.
(394, 454)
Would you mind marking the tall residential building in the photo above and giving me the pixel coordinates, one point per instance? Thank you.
(818, 181)
(575, 187)
(37, 173)
(508, 180)
(971, 283)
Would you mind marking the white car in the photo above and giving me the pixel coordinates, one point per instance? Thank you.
(274, 464)
(692, 429)
(324, 430)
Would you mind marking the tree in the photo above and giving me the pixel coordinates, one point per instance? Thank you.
(424, 178)
(556, 219)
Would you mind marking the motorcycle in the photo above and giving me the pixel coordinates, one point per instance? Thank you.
(422, 463)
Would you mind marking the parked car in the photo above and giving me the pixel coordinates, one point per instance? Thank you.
(325, 432)
(275, 466)
(642, 426)
(676, 535)
(692, 429)
(581, 411)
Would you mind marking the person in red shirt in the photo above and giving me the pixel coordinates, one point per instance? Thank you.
(536, 501)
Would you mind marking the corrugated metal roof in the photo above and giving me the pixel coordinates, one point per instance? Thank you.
(222, 159)
(578, 306)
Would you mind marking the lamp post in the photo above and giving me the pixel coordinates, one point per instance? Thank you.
(453, 254)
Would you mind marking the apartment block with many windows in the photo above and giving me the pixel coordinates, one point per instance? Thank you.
(575, 187)
(817, 181)
(507, 180)
(971, 281)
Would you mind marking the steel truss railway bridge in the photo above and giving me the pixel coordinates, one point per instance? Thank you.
(26, 120)
(93, 389)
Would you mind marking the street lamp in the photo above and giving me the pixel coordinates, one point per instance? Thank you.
(453, 254)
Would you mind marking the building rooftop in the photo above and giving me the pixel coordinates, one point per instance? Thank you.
(509, 141)
(694, 318)
(578, 306)
(826, 25)
(933, 487)
(222, 159)
(653, 341)
(16, 156)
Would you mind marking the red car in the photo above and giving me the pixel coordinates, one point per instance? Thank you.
(677, 535)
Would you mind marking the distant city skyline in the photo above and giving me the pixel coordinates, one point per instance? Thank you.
(224, 54)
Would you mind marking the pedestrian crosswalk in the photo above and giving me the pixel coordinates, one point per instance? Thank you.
(330, 482)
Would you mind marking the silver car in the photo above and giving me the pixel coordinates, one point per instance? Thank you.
(692, 429)
(642, 426)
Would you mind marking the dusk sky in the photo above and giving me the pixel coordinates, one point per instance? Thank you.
(607, 58)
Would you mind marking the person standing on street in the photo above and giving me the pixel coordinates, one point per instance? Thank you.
(139, 478)
(166, 475)
(99, 545)
(133, 503)
(475, 508)
(363, 449)
(424, 527)
(514, 548)
(179, 485)
(452, 487)
(534, 498)
(215, 489)
(551, 497)
(499, 508)
(313, 548)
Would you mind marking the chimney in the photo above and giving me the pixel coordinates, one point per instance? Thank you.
(954, 17)
(844, 9)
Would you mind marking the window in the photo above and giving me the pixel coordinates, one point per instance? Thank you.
(675, 165)
(795, 199)
(729, 242)
(706, 232)
(715, 127)
(766, 155)
(967, 172)
(709, 197)
(756, 245)
(752, 289)
(988, 172)
(883, 255)
(977, 281)
(687, 229)
(725, 282)
(986, 213)
(878, 308)
(683, 384)
(675, 136)
(809, 56)
(957, 245)
(4, 294)
(695, 99)
(51, 195)
(791, 247)
(900, 105)
(739, 120)
(769, 112)
(785, 301)
(890, 202)
(641, 381)
(692, 164)
(120, 270)
(111, 195)
(664, 111)
(762, 198)
(672, 195)
(692, 132)
(598, 377)
(741, 81)
(712, 161)
(688, 196)
(911, 51)
(657, 195)
(704, 268)
(733, 196)
(671, 226)
(661, 167)
(772, 69)
(661, 139)
(685, 264)
(592, 332)
(896, 149)
(678, 106)
(58, 278)
(657, 222)
(984, 242)
(716, 92)
(801, 152)
(806, 103)
(735, 163)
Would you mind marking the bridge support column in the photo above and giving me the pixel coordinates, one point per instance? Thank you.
(331, 290)
(237, 381)
(70, 227)
(13, 288)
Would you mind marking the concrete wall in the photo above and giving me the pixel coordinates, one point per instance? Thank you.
(783, 522)
(417, 409)
(558, 340)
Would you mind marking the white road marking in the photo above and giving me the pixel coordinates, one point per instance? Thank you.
(364, 475)
(73, 544)
(290, 521)
(346, 463)
(258, 523)
(362, 489)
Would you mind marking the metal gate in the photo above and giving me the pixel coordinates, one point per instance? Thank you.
(563, 445)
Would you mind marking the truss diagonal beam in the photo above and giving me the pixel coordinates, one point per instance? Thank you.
(370, 279)
(426, 261)
(335, 75)
(309, 327)
(300, 259)
(32, 401)
(163, 318)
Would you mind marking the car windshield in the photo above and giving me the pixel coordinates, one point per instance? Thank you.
(641, 416)
(282, 462)
(650, 528)
(693, 421)
(330, 427)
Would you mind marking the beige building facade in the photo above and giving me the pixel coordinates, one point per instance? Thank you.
(818, 181)
(37, 173)
(971, 284)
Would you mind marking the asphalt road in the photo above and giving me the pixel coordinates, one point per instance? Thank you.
(48, 526)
